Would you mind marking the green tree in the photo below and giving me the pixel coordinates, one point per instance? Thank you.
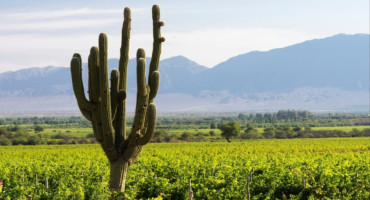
(212, 126)
(160, 136)
(283, 132)
(4, 132)
(185, 136)
(229, 130)
(5, 141)
(219, 125)
(14, 128)
(242, 116)
(251, 133)
(297, 128)
(269, 132)
(38, 128)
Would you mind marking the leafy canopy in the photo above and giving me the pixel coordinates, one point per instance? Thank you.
(229, 130)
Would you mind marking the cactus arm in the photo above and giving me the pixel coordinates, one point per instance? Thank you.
(142, 93)
(143, 122)
(114, 77)
(141, 84)
(117, 123)
(94, 93)
(117, 98)
(120, 122)
(140, 53)
(154, 80)
(105, 105)
(90, 77)
(140, 112)
(149, 132)
(78, 56)
(157, 41)
(124, 51)
(94, 83)
(143, 139)
(153, 83)
(142, 99)
(76, 70)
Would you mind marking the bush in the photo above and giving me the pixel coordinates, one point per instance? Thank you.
(3, 131)
(269, 132)
(251, 133)
(36, 140)
(161, 136)
(14, 129)
(5, 142)
(185, 136)
(38, 128)
(20, 140)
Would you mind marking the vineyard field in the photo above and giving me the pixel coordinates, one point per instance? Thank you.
(331, 168)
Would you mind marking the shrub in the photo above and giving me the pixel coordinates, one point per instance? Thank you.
(38, 128)
(251, 133)
(5, 142)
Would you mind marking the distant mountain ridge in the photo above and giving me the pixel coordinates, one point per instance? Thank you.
(340, 61)
(35, 82)
(332, 68)
(45, 81)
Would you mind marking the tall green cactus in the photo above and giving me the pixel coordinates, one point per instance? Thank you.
(106, 107)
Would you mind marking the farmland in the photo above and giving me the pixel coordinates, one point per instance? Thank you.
(191, 128)
(296, 168)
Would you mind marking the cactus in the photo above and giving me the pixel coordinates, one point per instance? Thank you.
(106, 107)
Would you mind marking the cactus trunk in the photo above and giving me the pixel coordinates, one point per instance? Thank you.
(106, 106)
(118, 173)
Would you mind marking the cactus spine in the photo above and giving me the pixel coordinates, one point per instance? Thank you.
(106, 106)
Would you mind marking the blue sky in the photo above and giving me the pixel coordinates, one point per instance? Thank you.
(41, 33)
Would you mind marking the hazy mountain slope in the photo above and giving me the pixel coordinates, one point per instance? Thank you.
(57, 80)
(36, 82)
(341, 61)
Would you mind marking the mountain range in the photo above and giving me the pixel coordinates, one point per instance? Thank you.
(321, 74)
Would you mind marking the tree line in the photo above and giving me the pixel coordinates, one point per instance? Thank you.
(231, 130)
(281, 124)
(15, 135)
(183, 121)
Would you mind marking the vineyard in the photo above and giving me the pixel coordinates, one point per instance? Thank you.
(262, 169)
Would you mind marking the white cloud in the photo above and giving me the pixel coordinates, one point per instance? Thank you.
(49, 14)
(45, 20)
(207, 47)
(59, 24)
(48, 20)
